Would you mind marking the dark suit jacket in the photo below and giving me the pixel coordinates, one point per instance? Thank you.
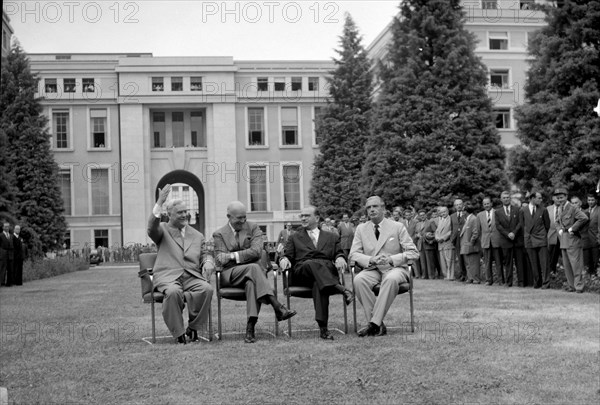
(301, 251)
(175, 254)
(7, 251)
(250, 251)
(457, 226)
(594, 229)
(535, 229)
(429, 227)
(346, 234)
(574, 218)
(18, 248)
(506, 225)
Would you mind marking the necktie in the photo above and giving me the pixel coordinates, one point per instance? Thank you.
(313, 238)
(533, 211)
(377, 232)
(489, 218)
(555, 214)
(237, 240)
(558, 214)
(507, 210)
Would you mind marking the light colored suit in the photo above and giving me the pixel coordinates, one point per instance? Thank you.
(490, 246)
(177, 274)
(469, 247)
(246, 271)
(395, 241)
(443, 233)
(571, 247)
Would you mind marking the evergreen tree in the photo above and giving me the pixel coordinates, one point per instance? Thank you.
(343, 128)
(30, 164)
(558, 129)
(433, 135)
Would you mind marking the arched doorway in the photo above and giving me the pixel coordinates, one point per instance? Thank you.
(182, 176)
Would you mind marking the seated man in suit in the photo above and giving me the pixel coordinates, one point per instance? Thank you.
(181, 257)
(311, 253)
(238, 249)
(383, 248)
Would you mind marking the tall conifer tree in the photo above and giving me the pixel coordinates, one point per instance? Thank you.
(343, 128)
(30, 164)
(558, 129)
(433, 135)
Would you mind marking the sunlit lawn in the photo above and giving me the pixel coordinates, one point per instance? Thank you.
(77, 338)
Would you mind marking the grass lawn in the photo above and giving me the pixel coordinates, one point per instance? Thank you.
(76, 338)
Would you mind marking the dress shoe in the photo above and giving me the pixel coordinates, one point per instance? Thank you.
(488, 283)
(192, 334)
(382, 330)
(325, 334)
(283, 313)
(348, 297)
(250, 337)
(181, 339)
(370, 330)
(570, 289)
(545, 287)
(579, 291)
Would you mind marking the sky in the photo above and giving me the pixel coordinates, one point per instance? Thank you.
(245, 30)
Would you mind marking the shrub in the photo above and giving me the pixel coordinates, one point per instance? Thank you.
(44, 268)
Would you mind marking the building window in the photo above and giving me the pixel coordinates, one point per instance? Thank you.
(69, 85)
(313, 84)
(176, 83)
(98, 124)
(498, 40)
(158, 84)
(489, 4)
(100, 197)
(197, 128)
(64, 178)
(318, 117)
(262, 83)
(256, 127)
(177, 129)
(50, 86)
(289, 126)
(296, 83)
(88, 85)
(101, 237)
(499, 78)
(291, 188)
(60, 128)
(502, 118)
(158, 129)
(279, 83)
(196, 83)
(258, 189)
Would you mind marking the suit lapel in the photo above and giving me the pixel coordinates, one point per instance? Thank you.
(189, 238)
(176, 235)
(384, 234)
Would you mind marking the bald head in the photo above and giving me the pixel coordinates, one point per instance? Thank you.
(236, 213)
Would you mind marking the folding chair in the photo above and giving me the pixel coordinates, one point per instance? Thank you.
(290, 290)
(237, 294)
(404, 287)
(151, 296)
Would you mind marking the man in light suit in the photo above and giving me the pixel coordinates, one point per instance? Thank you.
(490, 243)
(536, 223)
(591, 252)
(509, 226)
(182, 268)
(469, 245)
(238, 250)
(445, 247)
(570, 222)
(346, 230)
(383, 248)
(311, 253)
(553, 239)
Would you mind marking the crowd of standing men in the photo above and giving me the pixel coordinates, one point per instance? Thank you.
(12, 252)
(521, 235)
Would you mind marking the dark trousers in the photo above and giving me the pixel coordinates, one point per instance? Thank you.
(538, 258)
(323, 279)
(460, 268)
(432, 262)
(590, 259)
(493, 254)
(553, 255)
(6, 271)
(524, 277)
(507, 265)
(18, 272)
